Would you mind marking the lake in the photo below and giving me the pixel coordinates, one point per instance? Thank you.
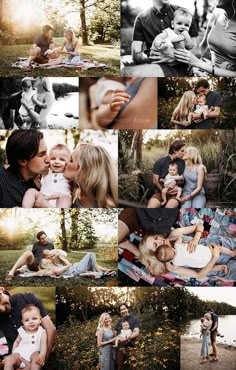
(226, 328)
(63, 105)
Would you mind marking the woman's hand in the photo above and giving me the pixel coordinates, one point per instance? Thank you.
(192, 245)
(119, 97)
(186, 56)
(215, 250)
(184, 199)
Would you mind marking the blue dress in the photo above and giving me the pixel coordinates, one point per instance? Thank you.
(190, 184)
(106, 359)
(71, 59)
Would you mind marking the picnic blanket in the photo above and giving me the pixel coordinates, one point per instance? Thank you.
(84, 64)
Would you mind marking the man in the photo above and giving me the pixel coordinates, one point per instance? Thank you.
(213, 100)
(27, 158)
(147, 26)
(126, 348)
(213, 334)
(10, 317)
(160, 170)
(32, 259)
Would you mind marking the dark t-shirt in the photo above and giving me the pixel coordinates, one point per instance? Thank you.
(213, 99)
(14, 103)
(161, 166)
(10, 322)
(151, 23)
(38, 249)
(133, 323)
(214, 319)
(12, 188)
(43, 42)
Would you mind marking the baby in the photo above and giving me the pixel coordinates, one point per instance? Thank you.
(125, 333)
(205, 323)
(29, 96)
(201, 107)
(177, 36)
(53, 183)
(31, 344)
(170, 184)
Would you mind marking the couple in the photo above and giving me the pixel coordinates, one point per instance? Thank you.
(164, 19)
(85, 178)
(209, 326)
(13, 310)
(204, 256)
(198, 112)
(47, 261)
(30, 106)
(122, 337)
(186, 162)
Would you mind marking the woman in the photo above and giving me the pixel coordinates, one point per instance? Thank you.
(181, 116)
(44, 95)
(105, 339)
(150, 244)
(220, 38)
(70, 48)
(94, 175)
(193, 195)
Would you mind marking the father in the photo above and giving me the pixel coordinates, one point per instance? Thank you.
(10, 317)
(32, 259)
(126, 348)
(213, 334)
(213, 100)
(160, 170)
(147, 26)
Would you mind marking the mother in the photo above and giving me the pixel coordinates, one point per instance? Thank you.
(44, 95)
(220, 38)
(105, 338)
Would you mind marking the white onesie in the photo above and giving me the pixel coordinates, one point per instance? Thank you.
(198, 259)
(29, 343)
(27, 97)
(55, 183)
(125, 333)
(169, 179)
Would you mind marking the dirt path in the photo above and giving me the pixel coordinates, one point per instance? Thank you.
(190, 356)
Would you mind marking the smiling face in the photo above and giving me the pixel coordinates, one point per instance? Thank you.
(201, 100)
(43, 239)
(173, 169)
(31, 320)
(58, 159)
(125, 325)
(181, 23)
(5, 305)
(124, 310)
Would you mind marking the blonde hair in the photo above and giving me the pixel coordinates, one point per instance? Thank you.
(61, 147)
(149, 260)
(96, 176)
(195, 156)
(45, 82)
(207, 316)
(71, 33)
(184, 107)
(101, 321)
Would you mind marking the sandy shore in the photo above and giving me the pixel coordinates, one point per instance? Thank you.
(190, 356)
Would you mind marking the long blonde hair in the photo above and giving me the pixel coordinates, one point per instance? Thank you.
(149, 260)
(96, 176)
(195, 156)
(101, 321)
(184, 107)
(71, 33)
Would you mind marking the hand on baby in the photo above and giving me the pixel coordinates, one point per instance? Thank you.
(119, 97)
(215, 250)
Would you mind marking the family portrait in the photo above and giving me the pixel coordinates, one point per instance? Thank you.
(118, 102)
(80, 246)
(25, 316)
(207, 337)
(58, 169)
(178, 38)
(193, 247)
(196, 103)
(41, 102)
(64, 37)
(118, 328)
(177, 168)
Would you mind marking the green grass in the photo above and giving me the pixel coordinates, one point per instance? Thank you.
(108, 54)
(9, 257)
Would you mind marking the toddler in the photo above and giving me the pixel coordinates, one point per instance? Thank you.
(31, 344)
(170, 183)
(125, 333)
(53, 183)
(206, 324)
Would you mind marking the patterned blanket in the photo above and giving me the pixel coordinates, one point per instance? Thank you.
(84, 64)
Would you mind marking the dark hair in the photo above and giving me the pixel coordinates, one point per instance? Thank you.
(202, 83)
(40, 233)
(159, 253)
(47, 28)
(176, 145)
(29, 308)
(123, 304)
(210, 309)
(124, 321)
(25, 80)
(22, 145)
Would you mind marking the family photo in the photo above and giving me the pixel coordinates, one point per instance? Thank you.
(80, 246)
(118, 329)
(41, 102)
(178, 38)
(25, 316)
(196, 103)
(118, 102)
(190, 247)
(62, 38)
(207, 337)
(58, 169)
(177, 168)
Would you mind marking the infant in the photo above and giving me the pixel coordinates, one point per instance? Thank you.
(170, 183)
(201, 107)
(205, 323)
(125, 333)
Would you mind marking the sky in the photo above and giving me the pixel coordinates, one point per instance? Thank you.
(219, 294)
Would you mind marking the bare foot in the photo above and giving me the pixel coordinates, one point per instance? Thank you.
(163, 203)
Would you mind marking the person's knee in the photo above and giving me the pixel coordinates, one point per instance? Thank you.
(154, 203)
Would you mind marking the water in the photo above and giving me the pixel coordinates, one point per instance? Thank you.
(67, 104)
(227, 325)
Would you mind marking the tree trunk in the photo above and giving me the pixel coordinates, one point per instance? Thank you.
(84, 33)
(63, 229)
(139, 149)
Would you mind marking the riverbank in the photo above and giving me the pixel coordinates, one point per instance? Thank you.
(190, 356)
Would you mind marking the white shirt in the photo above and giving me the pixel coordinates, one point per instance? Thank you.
(198, 259)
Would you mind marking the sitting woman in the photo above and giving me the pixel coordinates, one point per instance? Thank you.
(70, 48)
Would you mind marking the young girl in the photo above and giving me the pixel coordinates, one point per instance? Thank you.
(30, 347)
(205, 329)
(181, 116)
(94, 175)
(70, 48)
(54, 183)
(125, 333)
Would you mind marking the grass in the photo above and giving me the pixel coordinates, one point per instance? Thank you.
(9, 257)
(108, 54)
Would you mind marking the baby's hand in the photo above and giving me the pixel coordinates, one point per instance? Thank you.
(118, 98)
(225, 269)
(44, 105)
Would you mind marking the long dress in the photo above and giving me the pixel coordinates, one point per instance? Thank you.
(190, 184)
(106, 360)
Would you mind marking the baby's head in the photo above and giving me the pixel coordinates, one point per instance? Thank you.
(125, 325)
(173, 169)
(165, 253)
(182, 20)
(27, 83)
(201, 100)
(202, 319)
(207, 316)
(59, 156)
(31, 317)
(46, 253)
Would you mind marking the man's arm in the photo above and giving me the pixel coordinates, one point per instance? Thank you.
(51, 333)
(156, 182)
(137, 53)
